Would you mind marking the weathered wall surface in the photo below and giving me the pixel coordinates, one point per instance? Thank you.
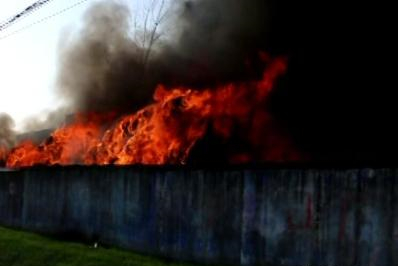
(284, 217)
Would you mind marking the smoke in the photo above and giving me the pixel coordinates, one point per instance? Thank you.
(106, 67)
(213, 39)
(7, 133)
(46, 120)
(101, 67)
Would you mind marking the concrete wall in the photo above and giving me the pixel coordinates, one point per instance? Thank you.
(284, 217)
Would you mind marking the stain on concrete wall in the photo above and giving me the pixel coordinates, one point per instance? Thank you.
(291, 217)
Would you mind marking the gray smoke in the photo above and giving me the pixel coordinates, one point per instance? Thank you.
(46, 120)
(101, 67)
(199, 43)
(7, 133)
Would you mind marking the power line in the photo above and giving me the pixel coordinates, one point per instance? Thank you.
(27, 11)
(42, 19)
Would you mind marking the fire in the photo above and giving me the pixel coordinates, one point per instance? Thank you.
(66, 145)
(3, 153)
(166, 131)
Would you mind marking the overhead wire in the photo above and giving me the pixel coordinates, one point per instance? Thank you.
(26, 12)
(42, 19)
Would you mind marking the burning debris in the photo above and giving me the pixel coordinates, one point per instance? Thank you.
(206, 77)
(166, 131)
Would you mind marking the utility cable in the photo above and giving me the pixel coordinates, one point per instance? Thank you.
(42, 19)
(26, 12)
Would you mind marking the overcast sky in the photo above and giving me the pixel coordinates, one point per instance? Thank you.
(28, 60)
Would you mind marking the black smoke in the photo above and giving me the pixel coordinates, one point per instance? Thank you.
(199, 43)
(336, 100)
(101, 67)
(213, 40)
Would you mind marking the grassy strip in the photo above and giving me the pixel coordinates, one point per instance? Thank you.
(28, 249)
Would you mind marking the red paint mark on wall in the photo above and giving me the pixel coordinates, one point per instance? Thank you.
(309, 222)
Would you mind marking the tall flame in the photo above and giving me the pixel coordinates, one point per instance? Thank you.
(166, 131)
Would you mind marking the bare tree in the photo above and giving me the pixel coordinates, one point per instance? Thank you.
(147, 26)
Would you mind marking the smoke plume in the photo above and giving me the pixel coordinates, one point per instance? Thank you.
(197, 43)
(46, 120)
(7, 134)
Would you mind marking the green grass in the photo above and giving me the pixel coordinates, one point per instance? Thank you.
(28, 249)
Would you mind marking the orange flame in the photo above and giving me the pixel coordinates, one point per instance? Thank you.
(3, 153)
(166, 131)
